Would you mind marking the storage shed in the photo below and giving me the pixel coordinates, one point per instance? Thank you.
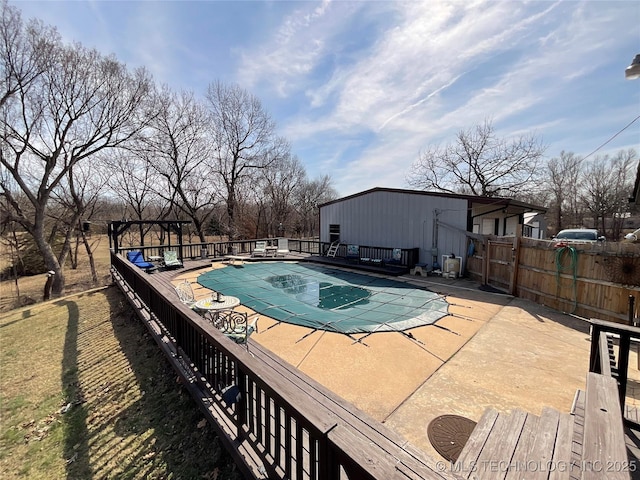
(436, 223)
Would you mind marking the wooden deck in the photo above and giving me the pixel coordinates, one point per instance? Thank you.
(364, 444)
(591, 442)
(586, 443)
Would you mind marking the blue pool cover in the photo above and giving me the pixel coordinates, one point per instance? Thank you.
(326, 298)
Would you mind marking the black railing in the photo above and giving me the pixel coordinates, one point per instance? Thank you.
(409, 256)
(220, 249)
(602, 358)
(295, 427)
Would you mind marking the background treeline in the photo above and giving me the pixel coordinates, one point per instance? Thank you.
(86, 139)
(591, 191)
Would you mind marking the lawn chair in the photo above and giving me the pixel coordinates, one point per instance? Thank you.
(260, 250)
(171, 259)
(138, 260)
(283, 247)
(235, 325)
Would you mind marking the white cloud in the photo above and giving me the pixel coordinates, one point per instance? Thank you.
(296, 46)
(400, 91)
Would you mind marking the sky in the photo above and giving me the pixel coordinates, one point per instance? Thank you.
(361, 88)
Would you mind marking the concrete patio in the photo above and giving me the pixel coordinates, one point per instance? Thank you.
(492, 350)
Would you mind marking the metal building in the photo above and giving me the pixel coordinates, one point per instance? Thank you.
(436, 223)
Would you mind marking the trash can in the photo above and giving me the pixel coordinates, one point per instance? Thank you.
(203, 253)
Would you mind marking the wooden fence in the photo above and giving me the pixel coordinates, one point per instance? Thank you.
(592, 280)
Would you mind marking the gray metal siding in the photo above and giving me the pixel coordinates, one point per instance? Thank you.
(395, 219)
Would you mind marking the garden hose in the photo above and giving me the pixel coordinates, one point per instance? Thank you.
(562, 251)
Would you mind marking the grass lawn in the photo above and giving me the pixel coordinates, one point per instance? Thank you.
(85, 393)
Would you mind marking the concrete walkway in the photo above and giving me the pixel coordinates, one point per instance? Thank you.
(492, 350)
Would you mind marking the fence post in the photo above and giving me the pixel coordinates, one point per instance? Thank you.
(485, 261)
(513, 281)
(241, 407)
(594, 355)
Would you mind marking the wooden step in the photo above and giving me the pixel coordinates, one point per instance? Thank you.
(468, 457)
(520, 445)
(604, 442)
(563, 455)
(488, 452)
(536, 456)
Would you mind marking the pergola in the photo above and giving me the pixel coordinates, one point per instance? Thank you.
(118, 227)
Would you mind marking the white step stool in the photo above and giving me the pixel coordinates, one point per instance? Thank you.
(419, 268)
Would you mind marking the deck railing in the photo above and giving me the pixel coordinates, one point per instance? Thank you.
(409, 257)
(295, 428)
(219, 249)
(603, 359)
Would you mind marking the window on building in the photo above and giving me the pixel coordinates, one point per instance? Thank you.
(334, 233)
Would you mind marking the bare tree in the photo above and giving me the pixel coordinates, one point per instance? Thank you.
(306, 201)
(279, 184)
(27, 51)
(178, 148)
(79, 196)
(80, 104)
(479, 163)
(563, 176)
(622, 171)
(130, 179)
(244, 139)
(605, 186)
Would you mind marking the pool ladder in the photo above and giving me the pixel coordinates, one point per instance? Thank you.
(333, 249)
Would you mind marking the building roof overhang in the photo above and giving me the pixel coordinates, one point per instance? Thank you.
(509, 204)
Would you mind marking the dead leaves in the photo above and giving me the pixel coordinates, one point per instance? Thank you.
(37, 431)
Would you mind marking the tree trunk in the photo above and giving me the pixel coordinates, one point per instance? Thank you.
(51, 264)
(92, 264)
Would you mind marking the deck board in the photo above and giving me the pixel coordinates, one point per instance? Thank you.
(525, 444)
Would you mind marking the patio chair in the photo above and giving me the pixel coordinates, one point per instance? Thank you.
(235, 325)
(396, 257)
(171, 259)
(186, 295)
(138, 260)
(353, 252)
(260, 250)
(283, 247)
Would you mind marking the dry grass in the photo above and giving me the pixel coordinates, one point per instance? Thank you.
(86, 394)
(31, 288)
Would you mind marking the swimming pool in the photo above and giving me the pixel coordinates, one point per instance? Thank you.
(325, 298)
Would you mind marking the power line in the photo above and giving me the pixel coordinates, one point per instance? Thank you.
(625, 127)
